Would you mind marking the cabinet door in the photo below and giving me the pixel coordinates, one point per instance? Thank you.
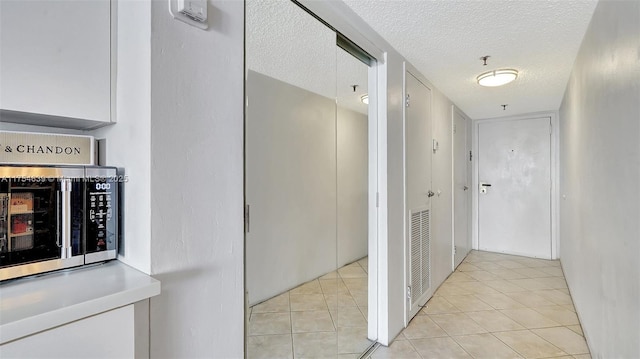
(106, 335)
(55, 58)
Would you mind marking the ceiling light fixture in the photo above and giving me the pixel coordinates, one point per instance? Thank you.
(365, 99)
(497, 77)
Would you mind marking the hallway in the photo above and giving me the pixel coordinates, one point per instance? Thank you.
(495, 306)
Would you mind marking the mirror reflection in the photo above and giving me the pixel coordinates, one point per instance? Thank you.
(306, 176)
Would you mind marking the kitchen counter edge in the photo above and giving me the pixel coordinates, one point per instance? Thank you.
(36, 304)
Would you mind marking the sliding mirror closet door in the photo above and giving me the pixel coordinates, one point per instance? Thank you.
(352, 189)
(291, 189)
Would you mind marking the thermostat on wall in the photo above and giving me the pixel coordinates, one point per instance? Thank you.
(192, 12)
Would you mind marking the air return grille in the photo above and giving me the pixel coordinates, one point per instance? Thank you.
(420, 256)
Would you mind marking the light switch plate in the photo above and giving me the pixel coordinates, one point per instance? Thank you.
(195, 9)
(192, 12)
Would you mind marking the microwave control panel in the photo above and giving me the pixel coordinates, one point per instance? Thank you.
(101, 231)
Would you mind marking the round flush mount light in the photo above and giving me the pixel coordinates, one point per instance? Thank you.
(497, 77)
(365, 99)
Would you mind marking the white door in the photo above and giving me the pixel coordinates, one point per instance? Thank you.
(462, 240)
(418, 193)
(514, 194)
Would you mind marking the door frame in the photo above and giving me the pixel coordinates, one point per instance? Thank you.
(555, 178)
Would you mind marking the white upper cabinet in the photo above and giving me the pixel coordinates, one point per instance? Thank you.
(56, 62)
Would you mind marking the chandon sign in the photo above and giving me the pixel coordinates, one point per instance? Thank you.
(44, 148)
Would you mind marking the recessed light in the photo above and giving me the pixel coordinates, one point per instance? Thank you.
(497, 77)
(365, 99)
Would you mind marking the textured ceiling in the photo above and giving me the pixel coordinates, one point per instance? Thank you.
(444, 40)
(286, 43)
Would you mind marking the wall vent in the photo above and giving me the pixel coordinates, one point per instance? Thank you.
(420, 254)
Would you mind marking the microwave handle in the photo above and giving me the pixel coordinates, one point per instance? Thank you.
(59, 219)
(65, 187)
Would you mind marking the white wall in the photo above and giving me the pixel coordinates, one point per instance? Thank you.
(129, 141)
(600, 172)
(197, 184)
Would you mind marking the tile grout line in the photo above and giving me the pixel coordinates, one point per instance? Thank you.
(532, 332)
(509, 346)
(413, 346)
(459, 336)
(293, 349)
(334, 321)
(556, 345)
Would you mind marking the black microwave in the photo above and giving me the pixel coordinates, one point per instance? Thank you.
(56, 217)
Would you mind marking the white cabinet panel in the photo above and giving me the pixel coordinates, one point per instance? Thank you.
(55, 60)
(106, 335)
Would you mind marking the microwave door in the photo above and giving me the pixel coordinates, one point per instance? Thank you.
(4, 218)
(32, 217)
(33, 235)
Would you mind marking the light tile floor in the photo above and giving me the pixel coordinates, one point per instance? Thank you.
(495, 306)
(323, 318)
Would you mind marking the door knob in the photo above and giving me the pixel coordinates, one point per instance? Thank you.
(430, 194)
(465, 188)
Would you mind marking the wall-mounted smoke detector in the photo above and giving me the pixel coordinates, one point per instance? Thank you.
(497, 77)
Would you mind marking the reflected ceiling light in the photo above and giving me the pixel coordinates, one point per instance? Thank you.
(497, 77)
(365, 99)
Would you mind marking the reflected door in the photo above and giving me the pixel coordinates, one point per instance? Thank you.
(462, 240)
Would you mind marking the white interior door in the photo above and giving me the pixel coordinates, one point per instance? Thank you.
(514, 194)
(462, 239)
(418, 193)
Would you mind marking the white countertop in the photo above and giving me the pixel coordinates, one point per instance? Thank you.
(31, 305)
